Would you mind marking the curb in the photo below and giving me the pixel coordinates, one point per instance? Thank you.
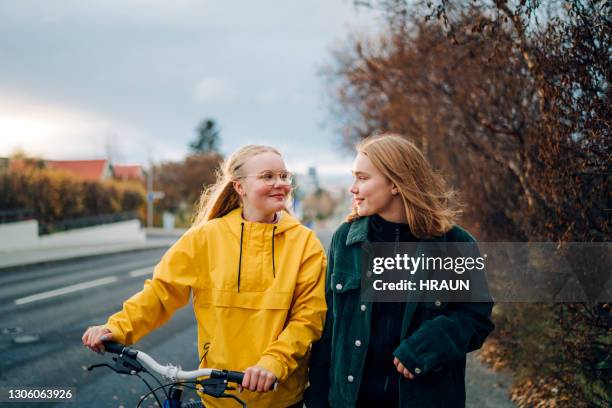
(68, 258)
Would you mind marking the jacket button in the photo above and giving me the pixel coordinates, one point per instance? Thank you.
(357, 343)
(339, 286)
(350, 378)
(363, 308)
(438, 303)
(417, 370)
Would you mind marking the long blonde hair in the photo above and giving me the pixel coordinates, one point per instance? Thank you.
(220, 198)
(431, 207)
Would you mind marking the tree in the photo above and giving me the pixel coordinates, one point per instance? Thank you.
(512, 101)
(183, 182)
(208, 138)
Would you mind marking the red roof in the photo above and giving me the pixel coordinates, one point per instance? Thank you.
(128, 172)
(94, 170)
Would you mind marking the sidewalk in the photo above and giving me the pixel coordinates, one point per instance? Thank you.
(156, 238)
(486, 388)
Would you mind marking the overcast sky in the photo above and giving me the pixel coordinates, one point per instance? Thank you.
(79, 79)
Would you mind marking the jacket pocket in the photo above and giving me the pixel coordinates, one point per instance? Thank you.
(345, 289)
(442, 389)
(432, 309)
(342, 283)
(270, 299)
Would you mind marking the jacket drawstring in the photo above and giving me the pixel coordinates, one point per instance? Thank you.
(240, 258)
(273, 266)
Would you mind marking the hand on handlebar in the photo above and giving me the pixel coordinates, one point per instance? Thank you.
(94, 336)
(257, 378)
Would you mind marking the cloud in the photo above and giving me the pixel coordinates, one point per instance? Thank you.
(176, 63)
(289, 94)
(270, 96)
(315, 17)
(46, 129)
(215, 90)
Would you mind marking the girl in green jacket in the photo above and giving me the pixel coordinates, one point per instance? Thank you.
(393, 354)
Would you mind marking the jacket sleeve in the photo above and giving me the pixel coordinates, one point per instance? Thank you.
(173, 278)
(449, 337)
(306, 317)
(446, 339)
(316, 395)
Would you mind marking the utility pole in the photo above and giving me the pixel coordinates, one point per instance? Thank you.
(151, 195)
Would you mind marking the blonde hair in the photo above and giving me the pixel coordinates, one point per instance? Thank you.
(221, 198)
(431, 207)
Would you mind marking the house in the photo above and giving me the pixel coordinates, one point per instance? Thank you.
(92, 170)
(129, 172)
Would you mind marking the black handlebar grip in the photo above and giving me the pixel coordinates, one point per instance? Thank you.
(235, 376)
(113, 347)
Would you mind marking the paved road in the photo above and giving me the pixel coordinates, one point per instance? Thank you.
(54, 303)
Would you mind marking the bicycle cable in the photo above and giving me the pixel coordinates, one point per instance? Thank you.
(158, 382)
(170, 384)
(150, 392)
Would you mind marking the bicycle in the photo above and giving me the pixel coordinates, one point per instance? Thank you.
(133, 362)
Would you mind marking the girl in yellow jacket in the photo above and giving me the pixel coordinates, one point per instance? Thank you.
(257, 278)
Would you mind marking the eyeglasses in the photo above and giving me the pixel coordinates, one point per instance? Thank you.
(269, 177)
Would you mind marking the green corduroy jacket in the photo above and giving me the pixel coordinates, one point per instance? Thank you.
(435, 337)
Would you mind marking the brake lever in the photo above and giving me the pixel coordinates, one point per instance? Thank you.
(125, 364)
(214, 386)
(91, 367)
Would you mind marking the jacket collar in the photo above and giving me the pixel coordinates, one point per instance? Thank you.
(358, 232)
(234, 220)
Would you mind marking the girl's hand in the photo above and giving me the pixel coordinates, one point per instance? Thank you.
(258, 379)
(94, 336)
(402, 370)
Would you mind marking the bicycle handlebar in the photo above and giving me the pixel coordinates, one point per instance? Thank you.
(113, 347)
(169, 371)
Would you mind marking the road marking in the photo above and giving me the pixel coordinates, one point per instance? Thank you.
(140, 272)
(66, 290)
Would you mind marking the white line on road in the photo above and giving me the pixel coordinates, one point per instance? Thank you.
(65, 290)
(141, 272)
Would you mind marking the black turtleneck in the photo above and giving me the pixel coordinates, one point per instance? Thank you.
(380, 380)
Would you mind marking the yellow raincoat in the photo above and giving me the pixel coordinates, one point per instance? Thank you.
(258, 296)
